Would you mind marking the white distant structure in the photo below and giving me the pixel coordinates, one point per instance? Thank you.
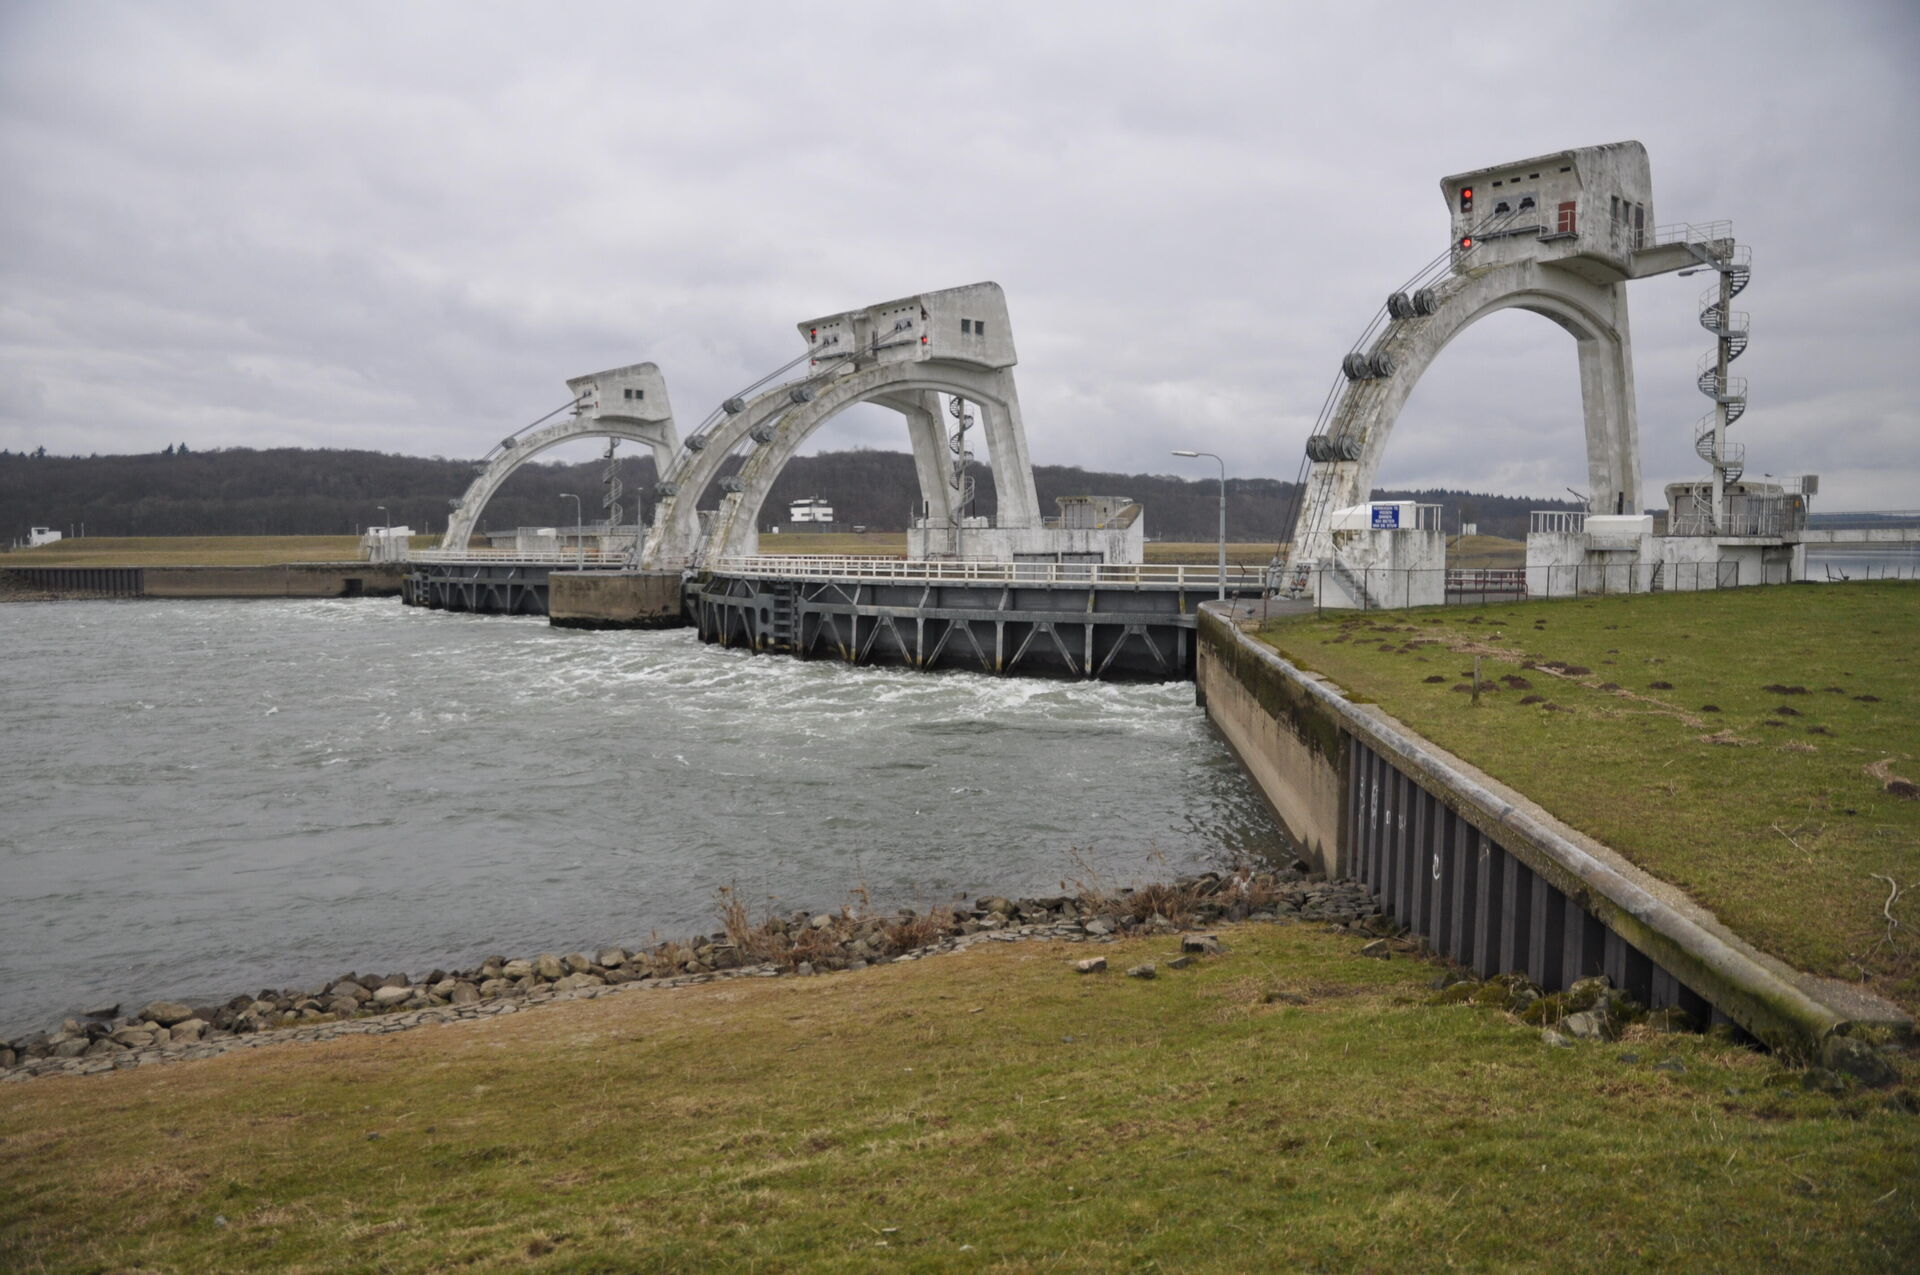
(386, 544)
(1385, 553)
(41, 536)
(810, 509)
(1561, 236)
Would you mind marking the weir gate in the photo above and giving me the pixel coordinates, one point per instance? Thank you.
(1095, 620)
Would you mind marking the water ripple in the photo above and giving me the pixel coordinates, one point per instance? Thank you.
(207, 797)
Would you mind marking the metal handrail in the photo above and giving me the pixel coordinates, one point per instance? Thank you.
(846, 567)
(512, 557)
(1557, 521)
(1700, 232)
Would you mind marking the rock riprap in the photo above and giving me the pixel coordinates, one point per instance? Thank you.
(800, 944)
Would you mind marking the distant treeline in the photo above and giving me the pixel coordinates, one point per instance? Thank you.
(283, 491)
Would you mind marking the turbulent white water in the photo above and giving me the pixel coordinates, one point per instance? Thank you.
(204, 798)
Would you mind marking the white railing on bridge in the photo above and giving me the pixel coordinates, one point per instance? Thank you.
(940, 570)
(515, 558)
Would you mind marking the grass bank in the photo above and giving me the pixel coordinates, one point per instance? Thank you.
(1289, 1105)
(1738, 744)
(1486, 551)
(194, 551)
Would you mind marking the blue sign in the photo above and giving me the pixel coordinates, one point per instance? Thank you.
(1386, 517)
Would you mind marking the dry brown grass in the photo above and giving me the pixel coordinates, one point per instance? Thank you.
(194, 551)
(1286, 1106)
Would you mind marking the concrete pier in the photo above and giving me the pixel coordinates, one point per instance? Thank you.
(615, 600)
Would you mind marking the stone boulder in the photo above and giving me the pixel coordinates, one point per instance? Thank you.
(1851, 1056)
(166, 1013)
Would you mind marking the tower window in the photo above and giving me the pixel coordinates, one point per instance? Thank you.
(966, 326)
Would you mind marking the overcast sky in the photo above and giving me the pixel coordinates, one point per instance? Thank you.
(402, 226)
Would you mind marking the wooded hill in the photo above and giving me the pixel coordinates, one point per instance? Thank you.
(299, 491)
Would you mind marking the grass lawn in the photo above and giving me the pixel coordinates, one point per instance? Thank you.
(1723, 741)
(1287, 1106)
(1256, 553)
(194, 551)
(1486, 551)
(156, 551)
(892, 544)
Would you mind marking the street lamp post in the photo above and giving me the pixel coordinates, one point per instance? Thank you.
(1223, 514)
(579, 541)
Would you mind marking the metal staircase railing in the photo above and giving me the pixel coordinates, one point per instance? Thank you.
(1712, 245)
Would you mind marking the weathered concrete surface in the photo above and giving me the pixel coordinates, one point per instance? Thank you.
(1785, 1007)
(615, 600)
(1291, 746)
(623, 402)
(899, 354)
(1556, 235)
(290, 580)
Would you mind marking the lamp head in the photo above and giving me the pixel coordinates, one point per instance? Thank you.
(1186, 453)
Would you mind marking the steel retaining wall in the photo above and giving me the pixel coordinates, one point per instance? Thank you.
(1494, 882)
(106, 582)
(1479, 906)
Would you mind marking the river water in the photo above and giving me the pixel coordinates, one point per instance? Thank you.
(199, 799)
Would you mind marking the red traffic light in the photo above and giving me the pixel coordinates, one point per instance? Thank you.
(1466, 242)
(1466, 199)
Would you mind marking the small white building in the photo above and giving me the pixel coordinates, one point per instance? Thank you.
(386, 544)
(811, 509)
(1386, 553)
(1088, 530)
(41, 536)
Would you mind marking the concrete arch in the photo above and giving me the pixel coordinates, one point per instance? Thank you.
(735, 531)
(642, 415)
(908, 387)
(1594, 314)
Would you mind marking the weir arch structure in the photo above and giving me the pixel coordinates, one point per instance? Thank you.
(902, 355)
(628, 403)
(1557, 235)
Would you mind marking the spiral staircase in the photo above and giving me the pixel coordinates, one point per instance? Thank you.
(1734, 264)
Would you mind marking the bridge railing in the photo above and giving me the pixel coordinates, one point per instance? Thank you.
(514, 557)
(938, 570)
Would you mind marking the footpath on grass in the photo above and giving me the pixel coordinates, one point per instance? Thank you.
(1757, 748)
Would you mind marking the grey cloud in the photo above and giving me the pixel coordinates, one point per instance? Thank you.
(403, 226)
